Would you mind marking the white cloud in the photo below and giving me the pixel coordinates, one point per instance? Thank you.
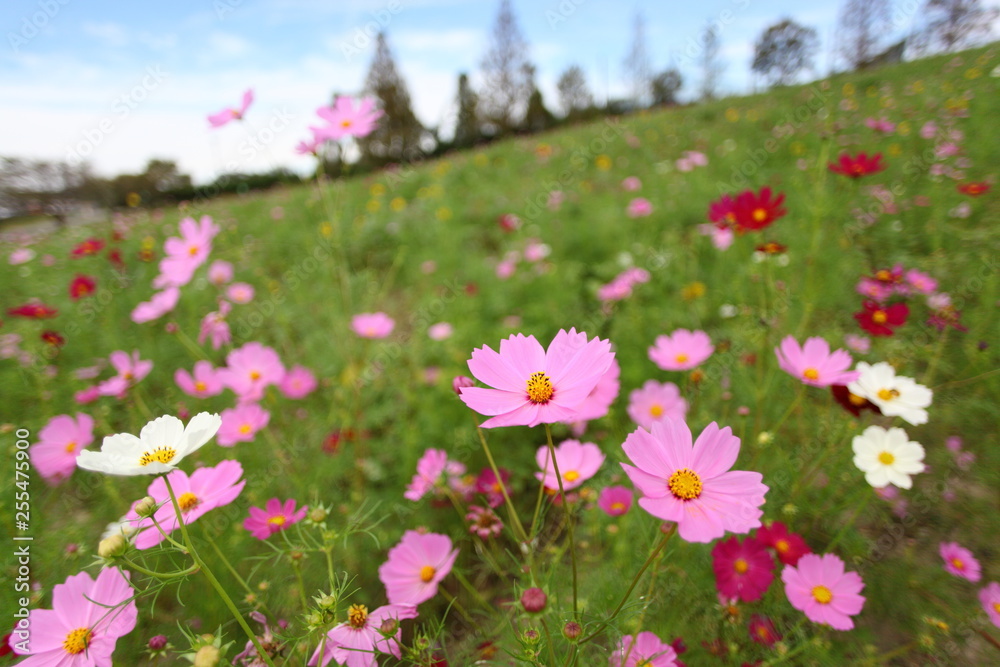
(110, 34)
(227, 45)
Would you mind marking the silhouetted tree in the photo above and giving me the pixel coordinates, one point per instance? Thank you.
(574, 97)
(860, 28)
(665, 87)
(637, 66)
(505, 75)
(784, 50)
(467, 125)
(954, 24)
(537, 118)
(397, 134)
(710, 67)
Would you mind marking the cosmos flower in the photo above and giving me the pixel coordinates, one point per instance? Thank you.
(757, 210)
(275, 516)
(430, 468)
(298, 382)
(81, 286)
(894, 395)
(33, 311)
(788, 547)
(162, 444)
(204, 382)
(577, 463)
(819, 587)
(372, 325)
(643, 650)
(682, 350)
(974, 189)
(59, 443)
(959, 561)
(347, 120)
(226, 115)
(91, 246)
(355, 642)
(416, 566)
(887, 456)
(857, 166)
(615, 500)
(989, 598)
(743, 569)
(250, 369)
(880, 320)
(240, 424)
(159, 305)
(813, 363)
(656, 401)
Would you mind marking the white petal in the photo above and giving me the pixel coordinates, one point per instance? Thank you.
(165, 431)
(202, 428)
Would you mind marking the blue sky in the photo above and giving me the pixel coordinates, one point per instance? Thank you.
(120, 82)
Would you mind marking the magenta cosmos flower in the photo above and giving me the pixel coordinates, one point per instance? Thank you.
(416, 566)
(262, 523)
(83, 625)
(222, 117)
(204, 490)
(656, 401)
(814, 364)
(682, 350)
(743, 569)
(577, 463)
(429, 470)
(532, 385)
(639, 208)
(989, 597)
(788, 547)
(298, 382)
(251, 369)
(354, 642)
(372, 325)
(959, 561)
(204, 382)
(819, 587)
(691, 483)
(644, 650)
(347, 120)
(240, 424)
(158, 305)
(615, 500)
(59, 443)
(186, 253)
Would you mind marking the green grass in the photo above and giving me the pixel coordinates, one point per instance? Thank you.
(446, 211)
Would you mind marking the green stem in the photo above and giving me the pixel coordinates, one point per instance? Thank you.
(190, 345)
(569, 518)
(548, 641)
(503, 490)
(159, 575)
(861, 504)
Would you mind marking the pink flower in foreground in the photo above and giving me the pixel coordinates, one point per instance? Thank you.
(615, 500)
(644, 650)
(159, 305)
(819, 587)
(416, 566)
(959, 561)
(83, 626)
(656, 401)
(429, 469)
(250, 369)
(204, 382)
(814, 364)
(534, 385)
(297, 383)
(240, 424)
(691, 483)
(577, 463)
(354, 642)
(262, 523)
(743, 569)
(372, 325)
(204, 490)
(59, 443)
(682, 350)
(346, 120)
(639, 208)
(989, 597)
(600, 398)
(222, 117)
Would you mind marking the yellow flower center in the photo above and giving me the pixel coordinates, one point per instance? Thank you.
(357, 615)
(254, 375)
(681, 358)
(345, 123)
(193, 250)
(887, 394)
(763, 632)
(618, 507)
(656, 410)
(161, 454)
(810, 374)
(685, 484)
(540, 389)
(71, 446)
(886, 458)
(278, 520)
(77, 641)
(245, 428)
(188, 501)
(427, 573)
(741, 566)
(958, 563)
(878, 317)
(571, 476)
(200, 386)
(854, 399)
(883, 275)
(996, 607)
(822, 594)
(781, 546)
(760, 214)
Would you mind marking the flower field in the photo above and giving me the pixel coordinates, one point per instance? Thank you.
(713, 385)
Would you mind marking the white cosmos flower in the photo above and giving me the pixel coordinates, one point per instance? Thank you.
(895, 395)
(887, 457)
(161, 445)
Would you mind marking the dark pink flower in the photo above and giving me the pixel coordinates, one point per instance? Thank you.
(262, 523)
(743, 569)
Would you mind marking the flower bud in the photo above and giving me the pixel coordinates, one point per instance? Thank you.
(157, 643)
(389, 627)
(112, 547)
(572, 631)
(317, 515)
(460, 382)
(146, 507)
(533, 600)
(207, 656)
(531, 636)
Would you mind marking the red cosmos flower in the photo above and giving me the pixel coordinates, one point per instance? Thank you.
(115, 257)
(743, 570)
(91, 246)
(81, 286)
(762, 630)
(789, 547)
(53, 338)
(857, 166)
(974, 189)
(723, 211)
(757, 210)
(509, 222)
(879, 320)
(852, 402)
(33, 311)
(772, 248)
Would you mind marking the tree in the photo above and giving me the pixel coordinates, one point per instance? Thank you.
(665, 87)
(637, 67)
(537, 118)
(860, 27)
(574, 97)
(467, 125)
(505, 74)
(784, 50)
(397, 135)
(710, 67)
(954, 24)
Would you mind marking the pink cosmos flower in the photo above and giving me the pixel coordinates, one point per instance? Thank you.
(881, 125)
(372, 325)
(959, 561)
(159, 305)
(220, 272)
(928, 130)
(59, 443)
(250, 369)
(240, 424)
(921, 282)
(621, 285)
(88, 395)
(309, 147)
(656, 401)
(506, 269)
(346, 120)
(819, 587)
(203, 383)
(440, 331)
(536, 251)
(743, 569)
(206, 489)
(84, 624)
(682, 350)
(631, 184)
(696, 158)
(860, 344)
(222, 117)
(483, 522)
(533, 385)
(722, 235)
(240, 293)
(615, 500)
(639, 208)
(262, 523)
(21, 256)
(416, 566)
(429, 469)
(354, 642)
(600, 398)
(577, 463)
(131, 370)
(488, 484)
(691, 483)
(814, 364)
(989, 597)
(788, 547)
(186, 253)
(214, 327)
(644, 650)
(298, 382)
